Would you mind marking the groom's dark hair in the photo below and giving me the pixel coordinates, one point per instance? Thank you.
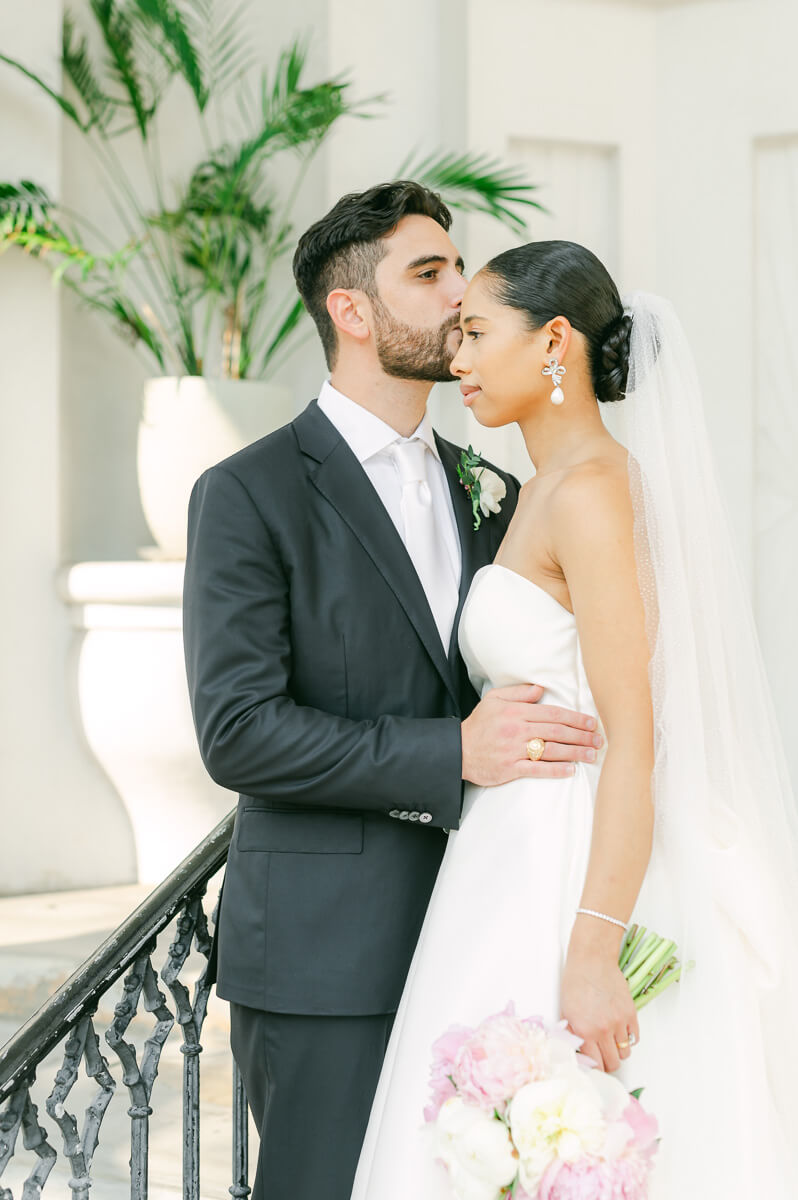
(343, 249)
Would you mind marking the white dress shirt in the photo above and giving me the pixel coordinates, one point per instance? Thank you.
(369, 438)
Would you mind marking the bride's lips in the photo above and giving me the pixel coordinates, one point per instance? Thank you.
(469, 393)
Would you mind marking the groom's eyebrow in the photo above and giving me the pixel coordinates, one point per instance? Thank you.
(426, 259)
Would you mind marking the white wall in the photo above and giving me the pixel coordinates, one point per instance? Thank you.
(62, 823)
(727, 256)
(560, 99)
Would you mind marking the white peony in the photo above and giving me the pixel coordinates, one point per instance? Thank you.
(476, 1149)
(493, 489)
(555, 1118)
(612, 1095)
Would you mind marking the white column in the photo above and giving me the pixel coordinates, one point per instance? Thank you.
(134, 705)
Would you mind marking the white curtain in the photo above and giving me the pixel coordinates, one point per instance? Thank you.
(775, 382)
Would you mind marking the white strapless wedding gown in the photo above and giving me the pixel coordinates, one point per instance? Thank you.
(497, 929)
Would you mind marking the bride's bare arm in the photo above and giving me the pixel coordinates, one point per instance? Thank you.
(592, 536)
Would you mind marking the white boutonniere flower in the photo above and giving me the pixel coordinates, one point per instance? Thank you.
(485, 488)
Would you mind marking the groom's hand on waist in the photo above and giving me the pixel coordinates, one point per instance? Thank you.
(496, 734)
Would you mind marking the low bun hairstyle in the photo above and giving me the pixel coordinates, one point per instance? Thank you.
(614, 369)
(563, 279)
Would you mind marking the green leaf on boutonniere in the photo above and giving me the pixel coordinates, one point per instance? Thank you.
(469, 462)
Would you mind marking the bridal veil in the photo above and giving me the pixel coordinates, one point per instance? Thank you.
(725, 860)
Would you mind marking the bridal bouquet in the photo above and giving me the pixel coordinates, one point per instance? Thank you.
(517, 1112)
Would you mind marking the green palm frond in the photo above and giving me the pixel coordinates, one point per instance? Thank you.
(119, 34)
(25, 202)
(299, 118)
(284, 330)
(475, 183)
(66, 107)
(130, 320)
(217, 226)
(223, 43)
(210, 193)
(170, 37)
(81, 73)
(26, 221)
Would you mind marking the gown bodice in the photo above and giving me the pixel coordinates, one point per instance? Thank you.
(514, 631)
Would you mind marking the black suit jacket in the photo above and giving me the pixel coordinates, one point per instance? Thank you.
(321, 692)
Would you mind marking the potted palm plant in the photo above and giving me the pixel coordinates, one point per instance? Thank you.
(194, 284)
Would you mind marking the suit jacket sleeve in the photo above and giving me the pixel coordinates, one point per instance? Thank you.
(253, 737)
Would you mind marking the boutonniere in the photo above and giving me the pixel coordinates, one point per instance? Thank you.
(485, 488)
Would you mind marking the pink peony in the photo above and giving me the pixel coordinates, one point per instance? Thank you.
(501, 1056)
(623, 1179)
(561, 1033)
(444, 1052)
(645, 1129)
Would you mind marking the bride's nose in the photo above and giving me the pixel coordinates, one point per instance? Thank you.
(458, 366)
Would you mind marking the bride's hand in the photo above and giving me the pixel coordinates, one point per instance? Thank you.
(595, 998)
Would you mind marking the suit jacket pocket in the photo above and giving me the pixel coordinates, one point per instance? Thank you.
(282, 831)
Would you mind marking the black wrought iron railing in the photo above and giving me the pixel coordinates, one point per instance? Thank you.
(68, 1017)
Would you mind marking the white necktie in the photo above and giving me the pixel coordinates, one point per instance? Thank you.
(423, 539)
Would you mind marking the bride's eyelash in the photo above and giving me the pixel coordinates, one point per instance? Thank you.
(474, 333)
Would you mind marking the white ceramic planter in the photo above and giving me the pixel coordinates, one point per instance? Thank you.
(187, 424)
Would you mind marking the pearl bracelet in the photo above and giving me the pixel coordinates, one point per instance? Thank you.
(591, 912)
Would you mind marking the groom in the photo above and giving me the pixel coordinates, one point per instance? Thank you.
(327, 567)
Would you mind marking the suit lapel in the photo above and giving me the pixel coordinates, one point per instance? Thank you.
(339, 477)
(476, 546)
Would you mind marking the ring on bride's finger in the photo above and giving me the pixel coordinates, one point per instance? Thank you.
(535, 749)
(623, 1045)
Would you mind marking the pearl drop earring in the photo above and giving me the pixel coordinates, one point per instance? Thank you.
(556, 371)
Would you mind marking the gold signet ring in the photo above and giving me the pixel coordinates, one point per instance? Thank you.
(535, 748)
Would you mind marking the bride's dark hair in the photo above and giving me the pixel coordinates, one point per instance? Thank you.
(563, 279)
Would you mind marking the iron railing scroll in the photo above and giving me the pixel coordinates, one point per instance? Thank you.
(68, 1017)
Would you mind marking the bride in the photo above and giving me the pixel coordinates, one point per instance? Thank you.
(616, 589)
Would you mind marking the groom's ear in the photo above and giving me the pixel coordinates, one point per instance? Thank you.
(350, 312)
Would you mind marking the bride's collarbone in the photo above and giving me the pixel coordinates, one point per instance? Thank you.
(525, 552)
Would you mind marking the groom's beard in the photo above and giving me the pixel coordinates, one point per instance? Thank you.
(410, 353)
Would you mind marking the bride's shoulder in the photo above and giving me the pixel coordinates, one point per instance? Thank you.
(593, 496)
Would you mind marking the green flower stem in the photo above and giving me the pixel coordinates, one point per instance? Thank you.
(641, 955)
(651, 965)
(634, 936)
(672, 962)
(653, 992)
